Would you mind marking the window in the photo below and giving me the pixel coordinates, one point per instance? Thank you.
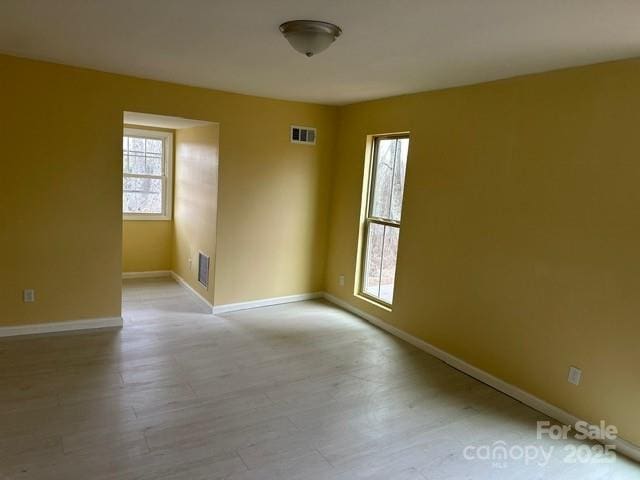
(146, 179)
(383, 209)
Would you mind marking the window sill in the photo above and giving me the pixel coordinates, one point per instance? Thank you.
(379, 304)
(144, 218)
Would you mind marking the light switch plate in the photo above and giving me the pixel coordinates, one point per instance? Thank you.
(29, 295)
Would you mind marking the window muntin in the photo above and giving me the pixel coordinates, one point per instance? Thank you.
(146, 167)
(382, 220)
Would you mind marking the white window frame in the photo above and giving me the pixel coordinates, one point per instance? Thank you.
(367, 218)
(167, 178)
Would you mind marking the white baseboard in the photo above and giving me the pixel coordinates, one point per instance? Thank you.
(184, 283)
(622, 446)
(266, 302)
(151, 274)
(55, 327)
(233, 307)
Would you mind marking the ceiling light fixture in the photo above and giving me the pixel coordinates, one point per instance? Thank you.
(310, 37)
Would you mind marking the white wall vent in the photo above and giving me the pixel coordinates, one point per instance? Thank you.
(306, 135)
(203, 269)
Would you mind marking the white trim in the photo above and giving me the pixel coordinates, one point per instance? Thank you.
(234, 307)
(167, 138)
(149, 274)
(622, 446)
(144, 217)
(184, 283)
(54, 327)
(265, 302)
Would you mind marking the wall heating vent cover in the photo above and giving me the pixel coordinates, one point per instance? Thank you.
(306, 135)
(203, 269)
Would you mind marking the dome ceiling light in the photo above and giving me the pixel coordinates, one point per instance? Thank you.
(310, 37)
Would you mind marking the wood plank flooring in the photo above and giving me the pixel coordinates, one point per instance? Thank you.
(297, 391)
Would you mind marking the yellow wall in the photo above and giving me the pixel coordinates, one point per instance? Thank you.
(146, 245)
(61, 217)
(195, 203)
(272, 207)
(519, 244)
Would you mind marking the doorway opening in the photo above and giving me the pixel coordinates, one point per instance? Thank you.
(169, 204)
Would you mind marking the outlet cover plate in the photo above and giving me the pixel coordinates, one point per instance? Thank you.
(575, 375)
(29, 295)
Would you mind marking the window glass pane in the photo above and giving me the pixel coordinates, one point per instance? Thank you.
(380, 263)
(136, 144)
(400, 168)
(389, 257)
(383, 181)
(388, 187)
(375, 239)
(134, 164)
(142, 195)
(153, 146)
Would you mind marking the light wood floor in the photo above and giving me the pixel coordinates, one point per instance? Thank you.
(298, 391)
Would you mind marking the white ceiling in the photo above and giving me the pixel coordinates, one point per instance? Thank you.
(388, 47)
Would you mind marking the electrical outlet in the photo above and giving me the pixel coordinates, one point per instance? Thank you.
(193, 255)
(575, 375)
(29, 295)
(341, 280)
